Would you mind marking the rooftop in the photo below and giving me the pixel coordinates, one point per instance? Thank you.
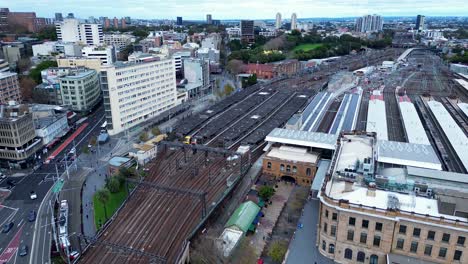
(413, 126)
(376, 118)
(118, 161)
(293, 154)
(302, 138)
(417, 155)
(353, 148)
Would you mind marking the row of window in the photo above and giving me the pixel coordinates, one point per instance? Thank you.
(428, 249)
(288, 168)
(431, 235)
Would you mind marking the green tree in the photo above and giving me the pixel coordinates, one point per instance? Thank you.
(35, 73)
(228, 89)
(266, 192)
(235, 66)
(143, 136)
(47, 33)
(277, 251)
(113, 184)
(155, 131)
(93, 141)
(85, 149)
(103, 196)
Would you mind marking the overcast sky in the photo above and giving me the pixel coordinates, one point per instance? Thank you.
(233, 9)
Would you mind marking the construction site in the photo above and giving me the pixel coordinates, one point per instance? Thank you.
(189, 183)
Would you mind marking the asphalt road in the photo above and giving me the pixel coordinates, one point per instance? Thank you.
(18, 204)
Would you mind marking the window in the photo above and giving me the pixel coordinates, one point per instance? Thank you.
(334, 216)
(348, 254)
(428, 250)
(402, 229)
(294, 169)
(378, 226)
(430, 235)
(350, 235)
(416, 232)
(461, 241)
(374, 259)
(377, 241)
(442, 252)
(333, 230)
(363, 238)
(361, 256)
(445, 237)
(365, 223)
(352, 221)
(457, 255)
(326, 213)
(331, 249)
(308, 172)
(400, 243)
(325, 226)
(414, 247)
(282, 167)
(288, 168)
(324, 245)
(269, 165)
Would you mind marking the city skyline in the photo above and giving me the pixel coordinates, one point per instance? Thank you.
(145, 9)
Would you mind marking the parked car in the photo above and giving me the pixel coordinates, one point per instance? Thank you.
(33, 195)
(23, 251)
(7, 227)
(32, 216)
(74, 255)
(2, 176)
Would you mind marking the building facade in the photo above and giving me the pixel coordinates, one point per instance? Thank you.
(80, 89)
(135, 92)
(71, 30)
(369, 23)
(420, 21)
(18, 142)
(106, 54)
(293, 21)
(9, 87)
(76, 62)
(278, 21)
(119, 41)
(51, 47)
(247, 31)
(197, 74)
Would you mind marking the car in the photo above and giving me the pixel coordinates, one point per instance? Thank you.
(72, 151)
(7, 227)
(2, 176)
(74, 255)
(23, 251)
(11, 183)
(32, 216)
(32, 195)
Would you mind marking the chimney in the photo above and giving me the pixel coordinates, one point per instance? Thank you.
(348, 186)
(371, 189)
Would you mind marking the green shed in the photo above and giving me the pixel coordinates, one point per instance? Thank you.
(243, 217)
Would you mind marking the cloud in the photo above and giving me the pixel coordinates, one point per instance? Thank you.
(263, 9)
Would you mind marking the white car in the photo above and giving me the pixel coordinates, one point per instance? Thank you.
(2, 176)
(33, 195)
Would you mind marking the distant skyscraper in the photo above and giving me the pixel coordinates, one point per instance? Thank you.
(420, 20)
(115, 23)
(123, 23)
(293, 21)
(278, 21)
(247, 31)
(369, 23)
(106, 22)
(209, 20)
(128, 20)
(58, 17)
(179, 21)
(70, 15)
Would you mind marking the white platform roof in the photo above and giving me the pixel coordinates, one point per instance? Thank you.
(438, 175)
(376, 119)
(407, 154)
(464, 108)
(462, 83)
(454, 133)
(302, 138)
(413, 126)
(293, 154)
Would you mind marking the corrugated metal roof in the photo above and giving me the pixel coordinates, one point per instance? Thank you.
(464, 108)
(244, 215)
(455, 135)
(377, 119)
(413, 126)
(438, 175)
(417, 155)
(303, 138)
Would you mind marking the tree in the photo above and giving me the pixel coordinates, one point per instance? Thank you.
(85, 149)
(235, 66)
(93, 141)
(35, 73)
(26, 87)
(24, 64)
(123, 54)
(266, 192)
(155, 131)
(228, 89)
(127, 172)
(40, 96)
(143, 136)
(47, 33)
(277, 251)
(103, 196)
(113, 184)
(251, 80)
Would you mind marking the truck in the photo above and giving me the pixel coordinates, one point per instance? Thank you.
(103, 138)
(190, 140)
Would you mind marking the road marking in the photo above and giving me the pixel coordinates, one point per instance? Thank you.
(12, 247)
(19, 224)
(43, 243)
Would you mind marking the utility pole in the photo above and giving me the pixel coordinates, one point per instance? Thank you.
(66, 166)
(54, 232)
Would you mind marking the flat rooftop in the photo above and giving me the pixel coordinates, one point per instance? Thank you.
(293, 154)
(302, 138)
(353, 148)
(408, 154)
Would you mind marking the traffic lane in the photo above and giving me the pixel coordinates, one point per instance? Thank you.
(42, 238)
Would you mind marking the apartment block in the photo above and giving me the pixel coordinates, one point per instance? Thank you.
(72, 30)
(9, 87)
(106, 54)
(80, 89)
(119, 41)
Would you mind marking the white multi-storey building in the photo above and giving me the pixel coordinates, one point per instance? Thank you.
(71, 30)
(50, 47)
(369, 23)
(278, 21)
(293, 21)
(119, 41)
(137, 91)
(106, 54)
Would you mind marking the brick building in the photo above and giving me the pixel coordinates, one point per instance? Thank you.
(272, 70)
(291, 164)
(9, 87)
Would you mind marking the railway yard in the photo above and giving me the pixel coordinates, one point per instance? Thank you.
(186, 183)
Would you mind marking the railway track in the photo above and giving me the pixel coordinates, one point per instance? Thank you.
(394, 122)
(456, 113)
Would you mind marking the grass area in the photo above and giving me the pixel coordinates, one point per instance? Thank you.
(307, 47)
(115, 200)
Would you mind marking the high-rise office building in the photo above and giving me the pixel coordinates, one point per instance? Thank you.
(71, 30)
(420, 20)
(80, 89)
(131, 96)
(4, 18)
(293, 21)
(70, 15)
(369, 23)
(106, 54)
(115, 22)
(58, 17)
(278, 21)
(9, 87)
(247, 31)
(179, 21)
(209, 20)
